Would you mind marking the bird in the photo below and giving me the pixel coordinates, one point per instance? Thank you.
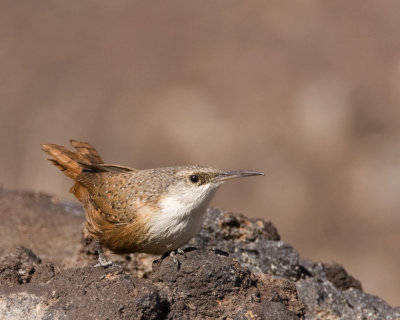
(128, 210)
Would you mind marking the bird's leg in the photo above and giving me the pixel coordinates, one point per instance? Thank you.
(102, 259)
(172, 254)
(159, 260)
(175, 259)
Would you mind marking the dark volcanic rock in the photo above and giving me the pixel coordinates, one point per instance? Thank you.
(239, 270)
(209, 284)
(328, 292)
(254, 242)
(24, 266)
(84, 293)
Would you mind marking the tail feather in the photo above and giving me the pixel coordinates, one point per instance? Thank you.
(68, 161)
(86, 152)
(63, 159)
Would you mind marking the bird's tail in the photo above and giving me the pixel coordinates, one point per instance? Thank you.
(68, 161)
(72, 162)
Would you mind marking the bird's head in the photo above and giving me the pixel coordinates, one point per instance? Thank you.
(193, 185)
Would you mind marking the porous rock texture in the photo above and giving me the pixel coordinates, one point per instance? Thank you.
(236, 268)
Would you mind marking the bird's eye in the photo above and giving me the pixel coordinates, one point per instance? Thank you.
(194, 178)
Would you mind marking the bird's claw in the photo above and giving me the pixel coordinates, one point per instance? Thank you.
(180, 251)
(104, 264)
(173, 255)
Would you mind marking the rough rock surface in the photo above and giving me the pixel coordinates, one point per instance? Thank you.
(237, 268)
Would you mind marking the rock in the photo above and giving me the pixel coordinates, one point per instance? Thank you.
(24, 266)
(211, 285)
(254, 242)
(206, 285)
(328, 292)
(49, 226)
(236, 268)
(84, 293)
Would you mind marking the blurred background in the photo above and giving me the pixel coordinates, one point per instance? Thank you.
(308, 92)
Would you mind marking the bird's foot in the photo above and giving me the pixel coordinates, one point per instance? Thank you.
(103, 262)
(180, 251)
(173, 255)
(175, 259)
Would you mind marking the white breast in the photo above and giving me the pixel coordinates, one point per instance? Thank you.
(179, 219)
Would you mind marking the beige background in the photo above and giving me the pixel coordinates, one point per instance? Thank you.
(306, 91)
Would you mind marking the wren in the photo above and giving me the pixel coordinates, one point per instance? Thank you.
(128, 210)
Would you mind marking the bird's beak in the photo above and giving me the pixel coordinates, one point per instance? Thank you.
(235, 174)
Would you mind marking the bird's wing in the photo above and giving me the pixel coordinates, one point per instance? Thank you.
(111, 192)
(94, 168)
